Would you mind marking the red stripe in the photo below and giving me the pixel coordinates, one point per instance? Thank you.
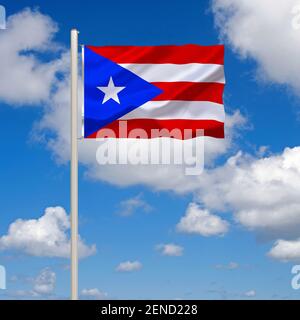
(190, 53)
(211, 128)
(190, 91)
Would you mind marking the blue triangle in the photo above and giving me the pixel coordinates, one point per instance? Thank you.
(97, 72)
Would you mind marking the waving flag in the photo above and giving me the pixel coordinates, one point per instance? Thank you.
(154, 87)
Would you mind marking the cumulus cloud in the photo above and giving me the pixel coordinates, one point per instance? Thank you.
(45, 282)
(129, 266)
(93, 294)
(46, 236)
(262, 30)
(286, 250)
(42, 286)
(26, 79)
(263, 195)
(129, 206)
(200, 221)
(170, 249)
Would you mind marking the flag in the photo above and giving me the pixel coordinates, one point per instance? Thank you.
(154, 88)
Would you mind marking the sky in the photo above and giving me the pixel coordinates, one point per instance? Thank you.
(151, 232)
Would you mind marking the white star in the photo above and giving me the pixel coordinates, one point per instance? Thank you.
(111, 91)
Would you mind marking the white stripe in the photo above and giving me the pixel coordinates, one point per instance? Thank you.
(197, 110)
(192, 72)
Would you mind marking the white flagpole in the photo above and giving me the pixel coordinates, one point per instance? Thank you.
(74, 165)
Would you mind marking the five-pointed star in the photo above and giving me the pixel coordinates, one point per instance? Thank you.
(111, 91)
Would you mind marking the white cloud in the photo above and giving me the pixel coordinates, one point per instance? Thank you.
(229, 266)
(46, 236)
(130, 206)
(25, 294)
(200, 221)
(26, 80)
(286, 250)
(42, 285)
(93, 294)
(45, 282)
(263, 30)
(263, 194)
(170, 249)
(250, 293)
(129, 266)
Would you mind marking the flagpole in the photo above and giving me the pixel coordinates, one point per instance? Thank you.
(74, 165)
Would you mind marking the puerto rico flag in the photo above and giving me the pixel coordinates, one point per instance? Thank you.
(154, 87)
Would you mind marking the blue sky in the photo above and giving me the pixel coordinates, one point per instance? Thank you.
(262, 105)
